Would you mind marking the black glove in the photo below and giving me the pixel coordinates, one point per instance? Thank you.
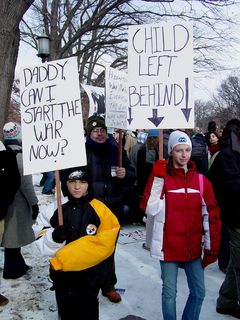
(35, 211)
(60, 234)
(3, 210)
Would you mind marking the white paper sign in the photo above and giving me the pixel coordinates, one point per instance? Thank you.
(51, 114)
(116, 98)
(96, 97)
(160, 74)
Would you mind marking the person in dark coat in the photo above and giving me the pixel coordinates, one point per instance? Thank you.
(135, 215)
(212, 139)
(8, 173)
(79, 250)
(21, 213)
(107, 181)
(225, 177)
(200, 153)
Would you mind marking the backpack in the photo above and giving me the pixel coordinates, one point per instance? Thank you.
(10, 179)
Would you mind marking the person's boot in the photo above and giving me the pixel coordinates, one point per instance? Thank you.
(145, 246)
(16, 274)
(234, 311)
(3, 300)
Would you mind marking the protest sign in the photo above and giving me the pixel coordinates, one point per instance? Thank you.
(96, 97)
(51, 117)
(116, 98)
(160, 76)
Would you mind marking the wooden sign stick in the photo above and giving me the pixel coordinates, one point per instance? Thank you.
(59, 200)
(120, 148)
(160, 140)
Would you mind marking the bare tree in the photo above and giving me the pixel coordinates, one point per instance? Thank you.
(95, 30)
(11, 13)
(223, 106)
(203, 113)
(228, 94)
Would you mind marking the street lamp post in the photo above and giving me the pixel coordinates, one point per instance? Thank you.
(43, 46)
(44, 53)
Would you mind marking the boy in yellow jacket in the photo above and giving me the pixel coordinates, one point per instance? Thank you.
(80, 249)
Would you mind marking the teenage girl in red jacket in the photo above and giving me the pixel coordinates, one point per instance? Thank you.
(185, 213)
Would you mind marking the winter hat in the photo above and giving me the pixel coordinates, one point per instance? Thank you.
(233, 122)
(176, 138)
(76, 173)
(153, 133)
(12, 131)
(93, 122)
(212, 126)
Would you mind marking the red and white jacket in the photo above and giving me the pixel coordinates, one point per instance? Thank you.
(184, 215)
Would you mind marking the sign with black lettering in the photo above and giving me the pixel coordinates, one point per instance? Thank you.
(96, 97)
(160, 76)
(116, 98)
(51, 117)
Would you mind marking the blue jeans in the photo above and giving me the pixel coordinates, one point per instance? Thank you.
(195, 279)
(49, 182)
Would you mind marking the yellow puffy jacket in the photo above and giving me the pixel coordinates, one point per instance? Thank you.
(89, 251)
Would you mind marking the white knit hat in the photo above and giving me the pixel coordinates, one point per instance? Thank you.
(12, 130)
(176, 138)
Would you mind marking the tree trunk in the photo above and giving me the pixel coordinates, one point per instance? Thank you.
(11, 13)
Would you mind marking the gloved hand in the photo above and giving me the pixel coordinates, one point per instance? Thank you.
(60, 234)
(3, 210)
(35, 211)
(208, 258)
(160, 168)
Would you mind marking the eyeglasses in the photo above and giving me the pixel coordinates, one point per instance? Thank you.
(99, 131)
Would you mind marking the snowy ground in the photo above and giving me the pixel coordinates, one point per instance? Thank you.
(138, 277)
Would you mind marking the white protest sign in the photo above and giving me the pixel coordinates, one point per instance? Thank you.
(96, 97)
(51, 117)
(160, 75)
(116, 98)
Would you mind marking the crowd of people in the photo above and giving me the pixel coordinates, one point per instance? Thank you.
(188, 198)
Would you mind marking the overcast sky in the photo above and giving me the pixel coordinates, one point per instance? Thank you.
(205, 83)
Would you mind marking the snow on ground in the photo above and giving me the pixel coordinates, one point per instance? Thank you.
(138, 277)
